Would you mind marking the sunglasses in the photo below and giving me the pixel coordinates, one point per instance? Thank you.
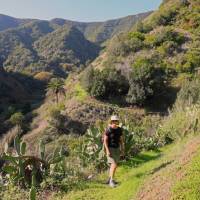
(115, 122)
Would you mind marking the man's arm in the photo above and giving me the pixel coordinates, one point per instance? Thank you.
(106, 145)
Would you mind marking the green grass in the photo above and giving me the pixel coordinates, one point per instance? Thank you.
(131, 175)
(189, 187)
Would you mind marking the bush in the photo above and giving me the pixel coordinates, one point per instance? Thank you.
(143, 27)
(56, 121)
(189, 94)
(17, 119)
(137, 35)
(98, 88)
(192, 60)
(168, 48)
(92, 151)
(166, 34)
(145, 81)
(185, 115)
(29, 171)
(165, 18)
(87, 78)
(117, 46)
(135, 44)
(105, 84)
(181, 122)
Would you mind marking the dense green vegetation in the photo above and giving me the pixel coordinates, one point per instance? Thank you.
(143, 82)
(155, 61)
(58, 45)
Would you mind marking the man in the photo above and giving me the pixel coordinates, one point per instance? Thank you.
(114, 145)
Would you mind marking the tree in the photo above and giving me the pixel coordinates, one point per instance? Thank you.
(56, 87)
(105, 84)
(145, 81)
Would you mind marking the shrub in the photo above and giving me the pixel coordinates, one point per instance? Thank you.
(29, 171)
(192, 60)
(165, 18)
(105, 84)
(185, 115)
(56, 121)
(98, 89)
(17, 119)
(142, 27)
(145, 81)
(168, 48)
(117, 46)
(91, 150)
(43, 76)
(189, 94)
(166, 34)
(181, 122)
(137, 35)
(135, 44)
(87, 78)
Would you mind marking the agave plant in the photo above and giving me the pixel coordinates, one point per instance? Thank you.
(92, 150)
(129, 141)
(30, 171)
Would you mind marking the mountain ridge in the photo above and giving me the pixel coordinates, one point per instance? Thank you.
(18, 51)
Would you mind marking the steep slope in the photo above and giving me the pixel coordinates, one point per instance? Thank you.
(11, 89)
(66, 45)
(167, 41)
(16, 46)
(169, 37)
(17, 93)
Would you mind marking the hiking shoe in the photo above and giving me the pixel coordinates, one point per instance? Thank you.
(112, 184)
(115, 182)
(108, 181)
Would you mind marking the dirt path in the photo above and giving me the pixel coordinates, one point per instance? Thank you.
(159, 185)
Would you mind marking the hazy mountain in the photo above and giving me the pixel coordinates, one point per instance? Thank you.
(101, 31)
(40, 45)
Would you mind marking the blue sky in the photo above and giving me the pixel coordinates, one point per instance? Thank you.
(78, 10)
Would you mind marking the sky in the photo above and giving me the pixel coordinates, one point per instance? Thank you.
(77, 10)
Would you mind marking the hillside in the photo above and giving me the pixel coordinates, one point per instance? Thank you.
(65, 45)
(99, 32)
(147, 75)
(164, 45)
(151, 175)
(7, 22)
(93, 31)
(17, 93)
(18, 51)
(95, 95)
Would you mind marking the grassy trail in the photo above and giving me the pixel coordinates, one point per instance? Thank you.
(138, 177)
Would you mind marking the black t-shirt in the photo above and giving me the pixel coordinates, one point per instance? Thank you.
(113, 136)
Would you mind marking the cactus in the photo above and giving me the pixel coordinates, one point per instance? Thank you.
(30, 170)
(32, 193)
(92, 149)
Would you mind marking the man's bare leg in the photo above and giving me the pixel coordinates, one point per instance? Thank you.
(113, 168)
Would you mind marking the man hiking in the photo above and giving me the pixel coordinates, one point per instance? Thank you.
(114, 146)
